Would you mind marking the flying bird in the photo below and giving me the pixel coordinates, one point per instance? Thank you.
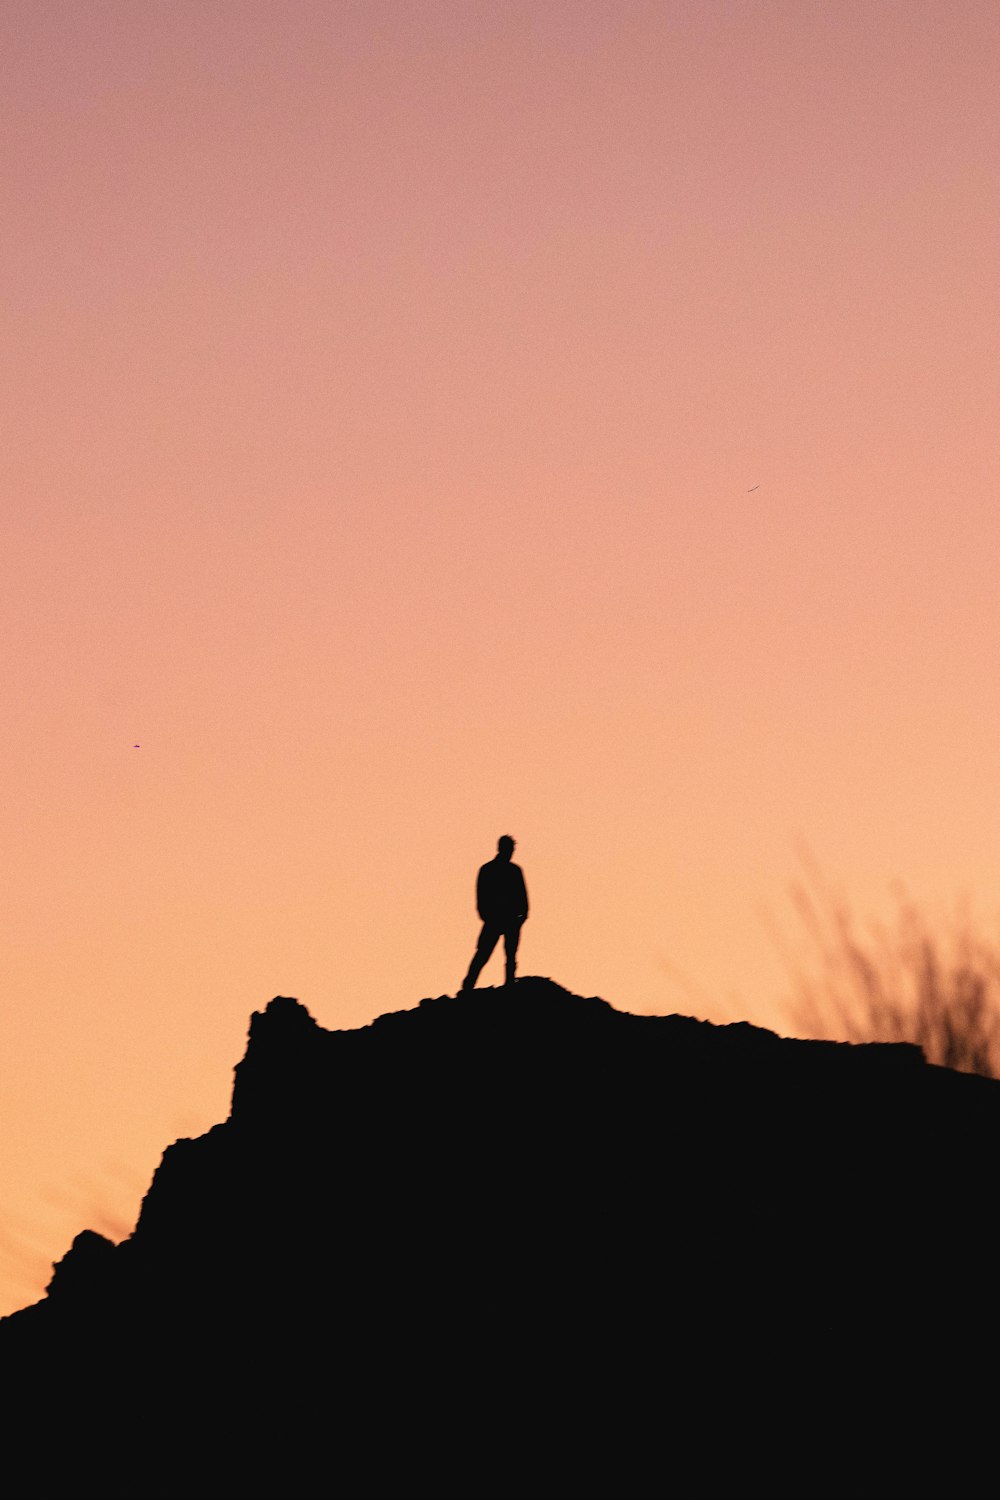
(136, 747)
(752, 488)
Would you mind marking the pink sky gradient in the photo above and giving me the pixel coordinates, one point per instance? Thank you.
(383, 387)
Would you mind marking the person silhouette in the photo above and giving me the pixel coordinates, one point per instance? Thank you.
(502, 902)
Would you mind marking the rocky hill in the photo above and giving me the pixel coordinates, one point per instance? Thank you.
(520, 1240)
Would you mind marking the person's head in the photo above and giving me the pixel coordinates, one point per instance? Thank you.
(505, 846)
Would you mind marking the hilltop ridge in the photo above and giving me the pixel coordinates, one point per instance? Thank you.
(514, 1195)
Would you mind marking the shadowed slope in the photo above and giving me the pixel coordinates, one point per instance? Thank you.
(516, 1228)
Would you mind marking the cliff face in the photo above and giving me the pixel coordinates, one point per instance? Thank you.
(514, 1222)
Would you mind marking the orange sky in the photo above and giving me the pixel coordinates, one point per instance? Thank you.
(383, 387)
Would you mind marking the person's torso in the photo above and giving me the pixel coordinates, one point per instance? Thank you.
(501, 888)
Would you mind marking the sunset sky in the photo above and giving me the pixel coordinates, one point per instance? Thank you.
(431, 419)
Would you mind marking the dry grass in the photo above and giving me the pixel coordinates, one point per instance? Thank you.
(896, 982)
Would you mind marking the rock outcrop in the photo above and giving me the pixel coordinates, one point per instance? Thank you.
(520, 1240)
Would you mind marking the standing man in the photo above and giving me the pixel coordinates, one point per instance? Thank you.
(502, 902)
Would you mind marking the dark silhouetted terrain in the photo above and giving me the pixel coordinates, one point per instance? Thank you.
(520, 1242)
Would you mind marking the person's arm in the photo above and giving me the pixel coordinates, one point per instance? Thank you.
(524, 897)
(481, 893)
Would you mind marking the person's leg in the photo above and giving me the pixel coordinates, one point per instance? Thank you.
(487, 942)
(511, 937)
